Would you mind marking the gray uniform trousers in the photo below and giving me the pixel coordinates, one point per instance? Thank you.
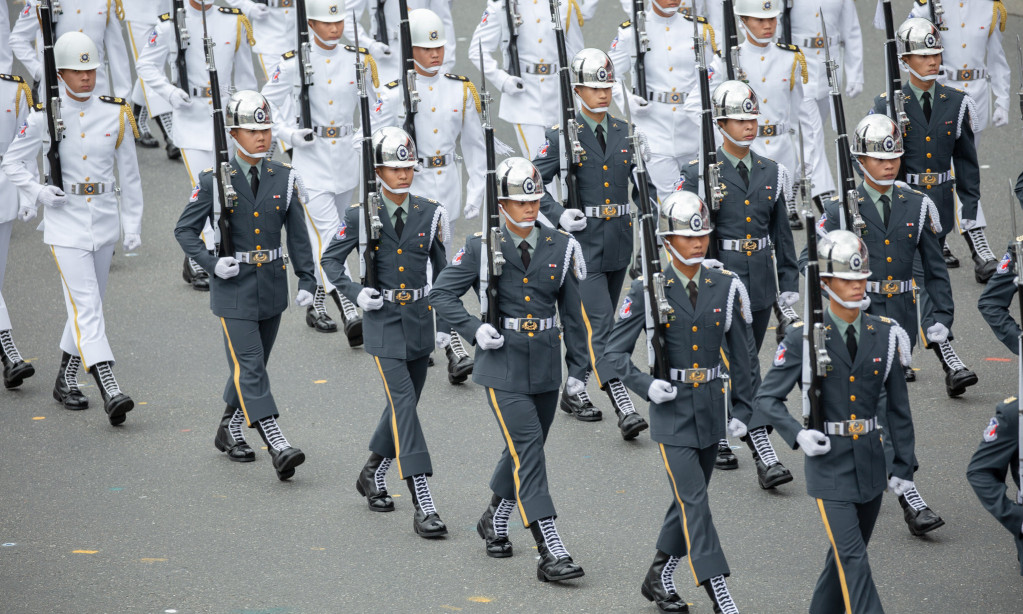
(849, 526)
(248, 344)
(398, 434)
(598, 295)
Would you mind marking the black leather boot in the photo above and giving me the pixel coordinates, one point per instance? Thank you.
(630, 424)
(984, 260)
(166, 124)
(555, 563)
(717, 590)
(285, 456)
(367, 485)
(768, 475)
(115, 403)
(498, 546)
(951, 261)
(65, 390)
(193, 274)
(459, 362)
(316, 316)
(726, 460)
(146, 138)
(350, 318)
(957, 376)
(16, 370)
(237, 450)
(426, 522)
(659, 587)
(919, 521)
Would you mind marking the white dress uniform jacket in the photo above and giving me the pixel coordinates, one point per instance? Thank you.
(141, 16)
(15, 105)
(844, 42)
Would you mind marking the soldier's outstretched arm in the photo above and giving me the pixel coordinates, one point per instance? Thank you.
(779, 380)
(344, 241)
(990, 464)
(784, 246)
(740, 362)
(900, 420)
(197, 212)
(622, 341)
(455, 280)
(994, 305)
(151, 64)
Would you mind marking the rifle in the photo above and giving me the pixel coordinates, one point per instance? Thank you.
(514, 21)
(1019, 51)
(815, 355)
(305, 118)
(54, 123)
(642, 46)
(786, 24)
(804, 187)
(937, 14)
(732, 66)
(851, 218)
(369, 228)
(222, 157)
(182, 38)
(409, 89)
(896, 105)
(381, 18)
(709, 172)
(571, 150)
(491, 257)
(657, 307)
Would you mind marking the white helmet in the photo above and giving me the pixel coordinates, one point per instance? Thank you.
(76, 51)
(325, 10)
(427, 30)
(248, 109)
(764, 9)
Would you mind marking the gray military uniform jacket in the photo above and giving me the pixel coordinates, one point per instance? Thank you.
(996, 299)
(528, 362)
(260, 290)
(854, 470)
(696, 417)
(399, 329)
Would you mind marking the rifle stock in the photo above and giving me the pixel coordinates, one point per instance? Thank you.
(815, 355)
(491, 256)
(571, 149)
(305, 73)
(225, 190)
(370, 224)
(54, 123)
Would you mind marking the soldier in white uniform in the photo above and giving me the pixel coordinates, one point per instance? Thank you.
(323, 154)
(6, 57)
(531, 102)
(232, 33)
(709, 9)
(141, 16)
(386, 46)
(15, 104)
(448, 112)
(97, 19)
(84, 218)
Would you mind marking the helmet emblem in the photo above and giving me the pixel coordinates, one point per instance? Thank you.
(602, 74)
(748, 106)
(767, 5)
(333, 9)
(84, 58)
(888, 144)
(930, 41)
(259, 115)
(696, 222)
(401, 153)
(434, 35)
(855, 262)
(528, 185)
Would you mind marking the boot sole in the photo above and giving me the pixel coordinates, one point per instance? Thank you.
(429, 534)
(919, 533)
(354, 334)
(541, 576)
(120, 408)
(362, 491)
(769, 485)
(633, 432)
(649, 597)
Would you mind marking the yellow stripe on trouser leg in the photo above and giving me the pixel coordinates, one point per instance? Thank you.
(522, 135)
(589, 344)
(838, 562)
(319, 242)
(74, 309)
(237, 372)
(188, 169)
(394, 418)
(685, 521)
(514, 455)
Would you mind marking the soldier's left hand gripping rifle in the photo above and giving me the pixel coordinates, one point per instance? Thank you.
(851, 218)
(571, 149)
(408, 90)
(657, 307)
(815, 355)
(491, 257)
(222, 157)
(710, 172)
(370, 224)
(54, 123)
(305, 73)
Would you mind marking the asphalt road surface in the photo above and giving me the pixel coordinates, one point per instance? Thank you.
(150, 518)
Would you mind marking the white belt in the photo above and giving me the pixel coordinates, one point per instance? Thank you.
(891, 286)
(744, 245)
(817, 42)
(848, 428)
(437, 161)
(668, 97)
(91, 189)
(332, 132)
(928, 178)
(403, 296)
(770, 130)
(608, 210)
(967, 74)
(695, 376)
(259, 256)
(540, 68)
(528, 325)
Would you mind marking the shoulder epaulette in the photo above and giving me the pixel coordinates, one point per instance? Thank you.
(165, 17)
(113, 100)
(355, 205)
(229, 10)
(477, 234)
(922, 2)
(625, 24)
(565, 232)
(287, 55)
(353, 49)
(284, 164)
(14, 78)
(696, 161)
(556, 127)
(208, 170)
(456, 77)
(392, 84)
(787, 47)
(1009, 400)
(885, 319)
(726, 272)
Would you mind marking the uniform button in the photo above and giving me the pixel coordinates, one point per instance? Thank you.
(530, 334)
(333, 142)
(329, 81)
(81, 115)
(529, 315)
(927, 138)
(259, 264)
(889, 259)
(852, 397)
(540, 40)
(852, 416)
(669, 47)
(767, 142)
(852, 378)
(527, 298)
(928, 153)
(83, 135)
(257, 231)
(887, 242)
(749, 236)
(88, 200)
(696, 365)
(399, 250)
(330, 102)
(255, 213)
(435, 131)
(433, 109)
(401, 269)
(855, 437)
(259, 247)
(695, 385)
(694, 329)
(607, 201)
(402, 285)
(671, 68)
(747, 202)
(889, 277)
(696, 347)
(525, 280)
(964, 45)
(606, 184)
(749, 219)
(605, 167)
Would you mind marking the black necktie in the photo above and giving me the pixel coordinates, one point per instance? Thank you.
(743, 172)
(850, 341)
(692, 293)
(254, 180)
(524, 249)
(886, 206)
(927, 105)
(399, 223)
(600, 138)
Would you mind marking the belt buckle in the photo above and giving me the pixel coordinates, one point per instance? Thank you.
(695, 376)
(88, 188)
(889, 287)
(436, 161)
(260, 256)
(768, 130)
(675, 97)
(543, 69)
(608, 210)
(331, 132)
(403, 296)
(965, 75)
(929, 178)
(284, 4)
(817, 42)
(529, 325)
(856, 427)
(749, 245)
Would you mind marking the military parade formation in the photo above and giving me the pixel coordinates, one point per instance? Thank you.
(316, 147)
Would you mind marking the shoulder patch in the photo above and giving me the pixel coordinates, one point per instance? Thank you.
(625, 24)
(229, 11)
(14, 78)
(165, 17)
(456, 77)
(779, 355)
(991, 430)
(392, 84)
(787, 47)
(287, 55)
(626, 310)
(113, 100)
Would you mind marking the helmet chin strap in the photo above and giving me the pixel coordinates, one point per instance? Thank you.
(431, 70)
(759, 41)
(74, 93)
(261, 154)
(394, 190)
(918, 75)
(509, 220)
(861, 305)
(592, 109)
(677, 256)
(332, 42)
(734, 140)
(871, 177)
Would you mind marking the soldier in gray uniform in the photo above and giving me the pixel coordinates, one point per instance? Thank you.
(709, 321)
(940, 135)
(845, 466)
(604, 229)
(997, 295)
(249, 290)
(752, 219)
(518, 358)
(397, 329)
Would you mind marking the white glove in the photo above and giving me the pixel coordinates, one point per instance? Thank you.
(853, 89)
(813, 442)
(788, 299)
(736, 428)
(443, 340)
(471, 210)
(258, 12)
(637, 105)
(132, 241)
(51, 196)
(937, 333)
(574, 386)
(377, 48)
(900, 486)
(1000, 117)
(304, 298)
(298, 137)
(661, 391)
(513, 85)
(357, 139)
(227, 267)
(369, 299)
(644, 145)
(572, 220)
(26, 212)
(488, 338)
(710, 263)
(179, 98)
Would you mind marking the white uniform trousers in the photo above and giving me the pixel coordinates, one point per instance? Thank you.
(530, 137)
(5, 242)
(664, 171)
(321, 222)
(196, 161)
(83, 275)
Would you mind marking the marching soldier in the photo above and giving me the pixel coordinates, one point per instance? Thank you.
(191, 115)
(942, 121)
(845, 465)
(323, 153)
(84, 218)
(752, 219)
(844, 43)
(141, 16)
(387, 45)
(6, 57)
(902, 226)
(250, 289)
(448, 111)
(604, 229)
(398, 329)
(518, 359)
(15, 102)
(997, 296)
(709, 314)
(274, 27)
